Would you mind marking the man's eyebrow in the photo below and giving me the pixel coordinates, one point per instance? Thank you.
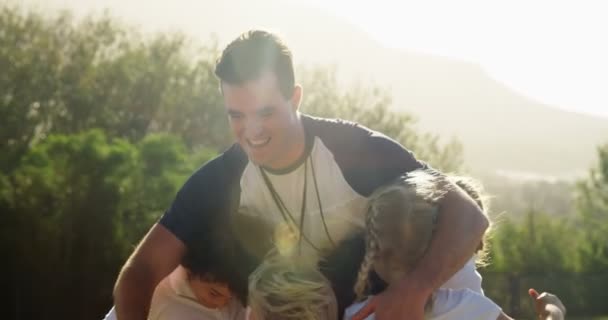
(234, 112)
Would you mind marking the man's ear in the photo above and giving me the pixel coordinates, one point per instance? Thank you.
(296, 97)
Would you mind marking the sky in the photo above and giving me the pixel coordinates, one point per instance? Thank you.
(554, 51)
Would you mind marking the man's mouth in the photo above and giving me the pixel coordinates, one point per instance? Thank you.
(258, 143)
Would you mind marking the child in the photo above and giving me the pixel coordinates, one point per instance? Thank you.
(282, 288)
(193, 292)
(400, 226)
(290, 288)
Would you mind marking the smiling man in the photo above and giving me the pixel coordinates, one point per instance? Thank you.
(293, 172)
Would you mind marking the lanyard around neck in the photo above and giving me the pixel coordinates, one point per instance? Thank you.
(286, 214)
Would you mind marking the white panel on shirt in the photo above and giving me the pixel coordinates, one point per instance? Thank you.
(466, 278)
(343, 208)
(463, 305)
(449, 305)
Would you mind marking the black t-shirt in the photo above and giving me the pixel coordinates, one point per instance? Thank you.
(227, 204)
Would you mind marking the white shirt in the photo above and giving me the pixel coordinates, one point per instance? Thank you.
(466, 278)
(174, 299)
(449, 304)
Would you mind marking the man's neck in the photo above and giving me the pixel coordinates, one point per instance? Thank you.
(296, 152)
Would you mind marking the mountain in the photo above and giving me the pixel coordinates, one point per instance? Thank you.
(502, 130)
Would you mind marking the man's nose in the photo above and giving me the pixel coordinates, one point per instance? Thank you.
(253, 128)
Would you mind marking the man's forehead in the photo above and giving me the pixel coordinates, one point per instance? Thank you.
(262, 89)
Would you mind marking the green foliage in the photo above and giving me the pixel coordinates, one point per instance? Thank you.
(534, 245)
(370, 107)
(65, 76)
(78, 205)
(66, 199)
(101, 125)
(568, 257)
(516, 197)
(592, 200)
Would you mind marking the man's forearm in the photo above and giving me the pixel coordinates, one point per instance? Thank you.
(133, 294)
(460, 228)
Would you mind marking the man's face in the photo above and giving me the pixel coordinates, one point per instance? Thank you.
(210, 294)
(264, 123)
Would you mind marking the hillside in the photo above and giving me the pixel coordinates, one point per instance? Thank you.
(502, 130)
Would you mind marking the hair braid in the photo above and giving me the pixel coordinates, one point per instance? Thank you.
(371, 252)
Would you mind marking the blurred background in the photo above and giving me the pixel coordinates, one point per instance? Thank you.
(106, 107)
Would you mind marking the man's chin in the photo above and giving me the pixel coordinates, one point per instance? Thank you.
(258, 160)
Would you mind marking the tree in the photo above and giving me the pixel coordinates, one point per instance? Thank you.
(370, 106)
(62, 76)
(535, 245)
(100, 126)
(78, 205)
(592, 202)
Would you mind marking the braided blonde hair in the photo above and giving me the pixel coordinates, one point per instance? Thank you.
(401, 220)
(284, 287)
(400, 224)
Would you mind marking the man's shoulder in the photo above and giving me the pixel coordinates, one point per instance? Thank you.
(367, 158)
(343, 134)
(329, 127)
(228, 163)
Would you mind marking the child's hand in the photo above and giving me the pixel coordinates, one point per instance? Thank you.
(547, 305)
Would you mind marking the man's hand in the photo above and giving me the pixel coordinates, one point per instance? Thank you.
(404, 300)
(547, 305)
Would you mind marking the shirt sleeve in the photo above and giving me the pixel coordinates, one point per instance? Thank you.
(368, 159)
(205, 196)
(463, 305)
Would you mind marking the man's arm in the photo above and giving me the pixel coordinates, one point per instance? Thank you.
(460, 228)
(155, 257)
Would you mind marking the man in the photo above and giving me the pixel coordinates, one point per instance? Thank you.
(308, 175)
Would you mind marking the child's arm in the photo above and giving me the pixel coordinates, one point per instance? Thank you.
(548, 306)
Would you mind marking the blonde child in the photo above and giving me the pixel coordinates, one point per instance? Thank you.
(290, 288)
(400, 226)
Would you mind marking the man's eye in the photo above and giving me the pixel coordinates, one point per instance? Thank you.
(235, 116)
(266, 113)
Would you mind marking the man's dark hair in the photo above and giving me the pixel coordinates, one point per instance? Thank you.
(253, 53)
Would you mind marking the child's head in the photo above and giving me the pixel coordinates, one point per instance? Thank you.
(208, 281)
(400, 223)
(208, 291)
(401, 220)
(283, 289)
